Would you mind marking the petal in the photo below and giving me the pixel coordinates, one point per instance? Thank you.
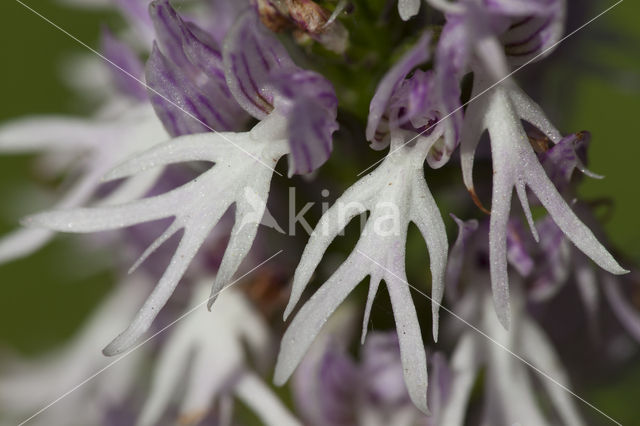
(309, 104)
(466, 229)
(531, 112)
(426, 215)
(349, 205)
(314, 313)
(167, 374)
(540, 352)
(249, 213)
(253, 392)
(51, 133)
(465, 362)
(250, 55)
(534, 37)
(408, 8)
(130, 70)
(412, 353)
(186, 251)
(213, 147)
(624, 311)
(379, 103)
(181, 106)
(310, 137)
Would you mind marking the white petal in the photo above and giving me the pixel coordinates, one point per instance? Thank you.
(426, 215)
(623, 310)
(464, 365)
(186, 251)
(168, 372)
(107, 217)
(500, 207)
(199, 147)
(521, 190)
(262, 400)
(539, 351)
(408, 8)
(22, 242)
(567, 220)
(350, 204)
(412, 353)
(531, 112)
(373, 290)
(316, 311)
(249, 212)
(50, 133)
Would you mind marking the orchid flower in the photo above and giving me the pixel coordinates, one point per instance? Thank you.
(395, 194)
(296, 119)
(101, 143)
(510, 392)
(218, 369)
(515, 165)
(28, 385)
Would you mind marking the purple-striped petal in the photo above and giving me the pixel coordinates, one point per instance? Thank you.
(185, 74)
(251, 54)
(310, 105)
(536, 28)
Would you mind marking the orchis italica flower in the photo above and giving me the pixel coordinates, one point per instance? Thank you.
(510, 395)
(297, 119)
(395, 194)
(209, 346)
(516, 166)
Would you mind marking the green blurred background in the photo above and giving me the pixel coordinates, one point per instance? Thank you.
(46, 297)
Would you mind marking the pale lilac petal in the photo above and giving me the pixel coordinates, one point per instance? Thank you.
(535, 32)
(517, 250)
(168, 373)
(624, 311)
(186, 77)
(440, 384)
(540, 352)
(308, 102)
(382, 370)
(466, 229)
(465, 363)
(250, 54)
(379, 103)
(120, 54)
(563, 158)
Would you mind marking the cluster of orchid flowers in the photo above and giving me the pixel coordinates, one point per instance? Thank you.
(219, 87)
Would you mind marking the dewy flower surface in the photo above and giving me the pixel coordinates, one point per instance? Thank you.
(200, 101)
